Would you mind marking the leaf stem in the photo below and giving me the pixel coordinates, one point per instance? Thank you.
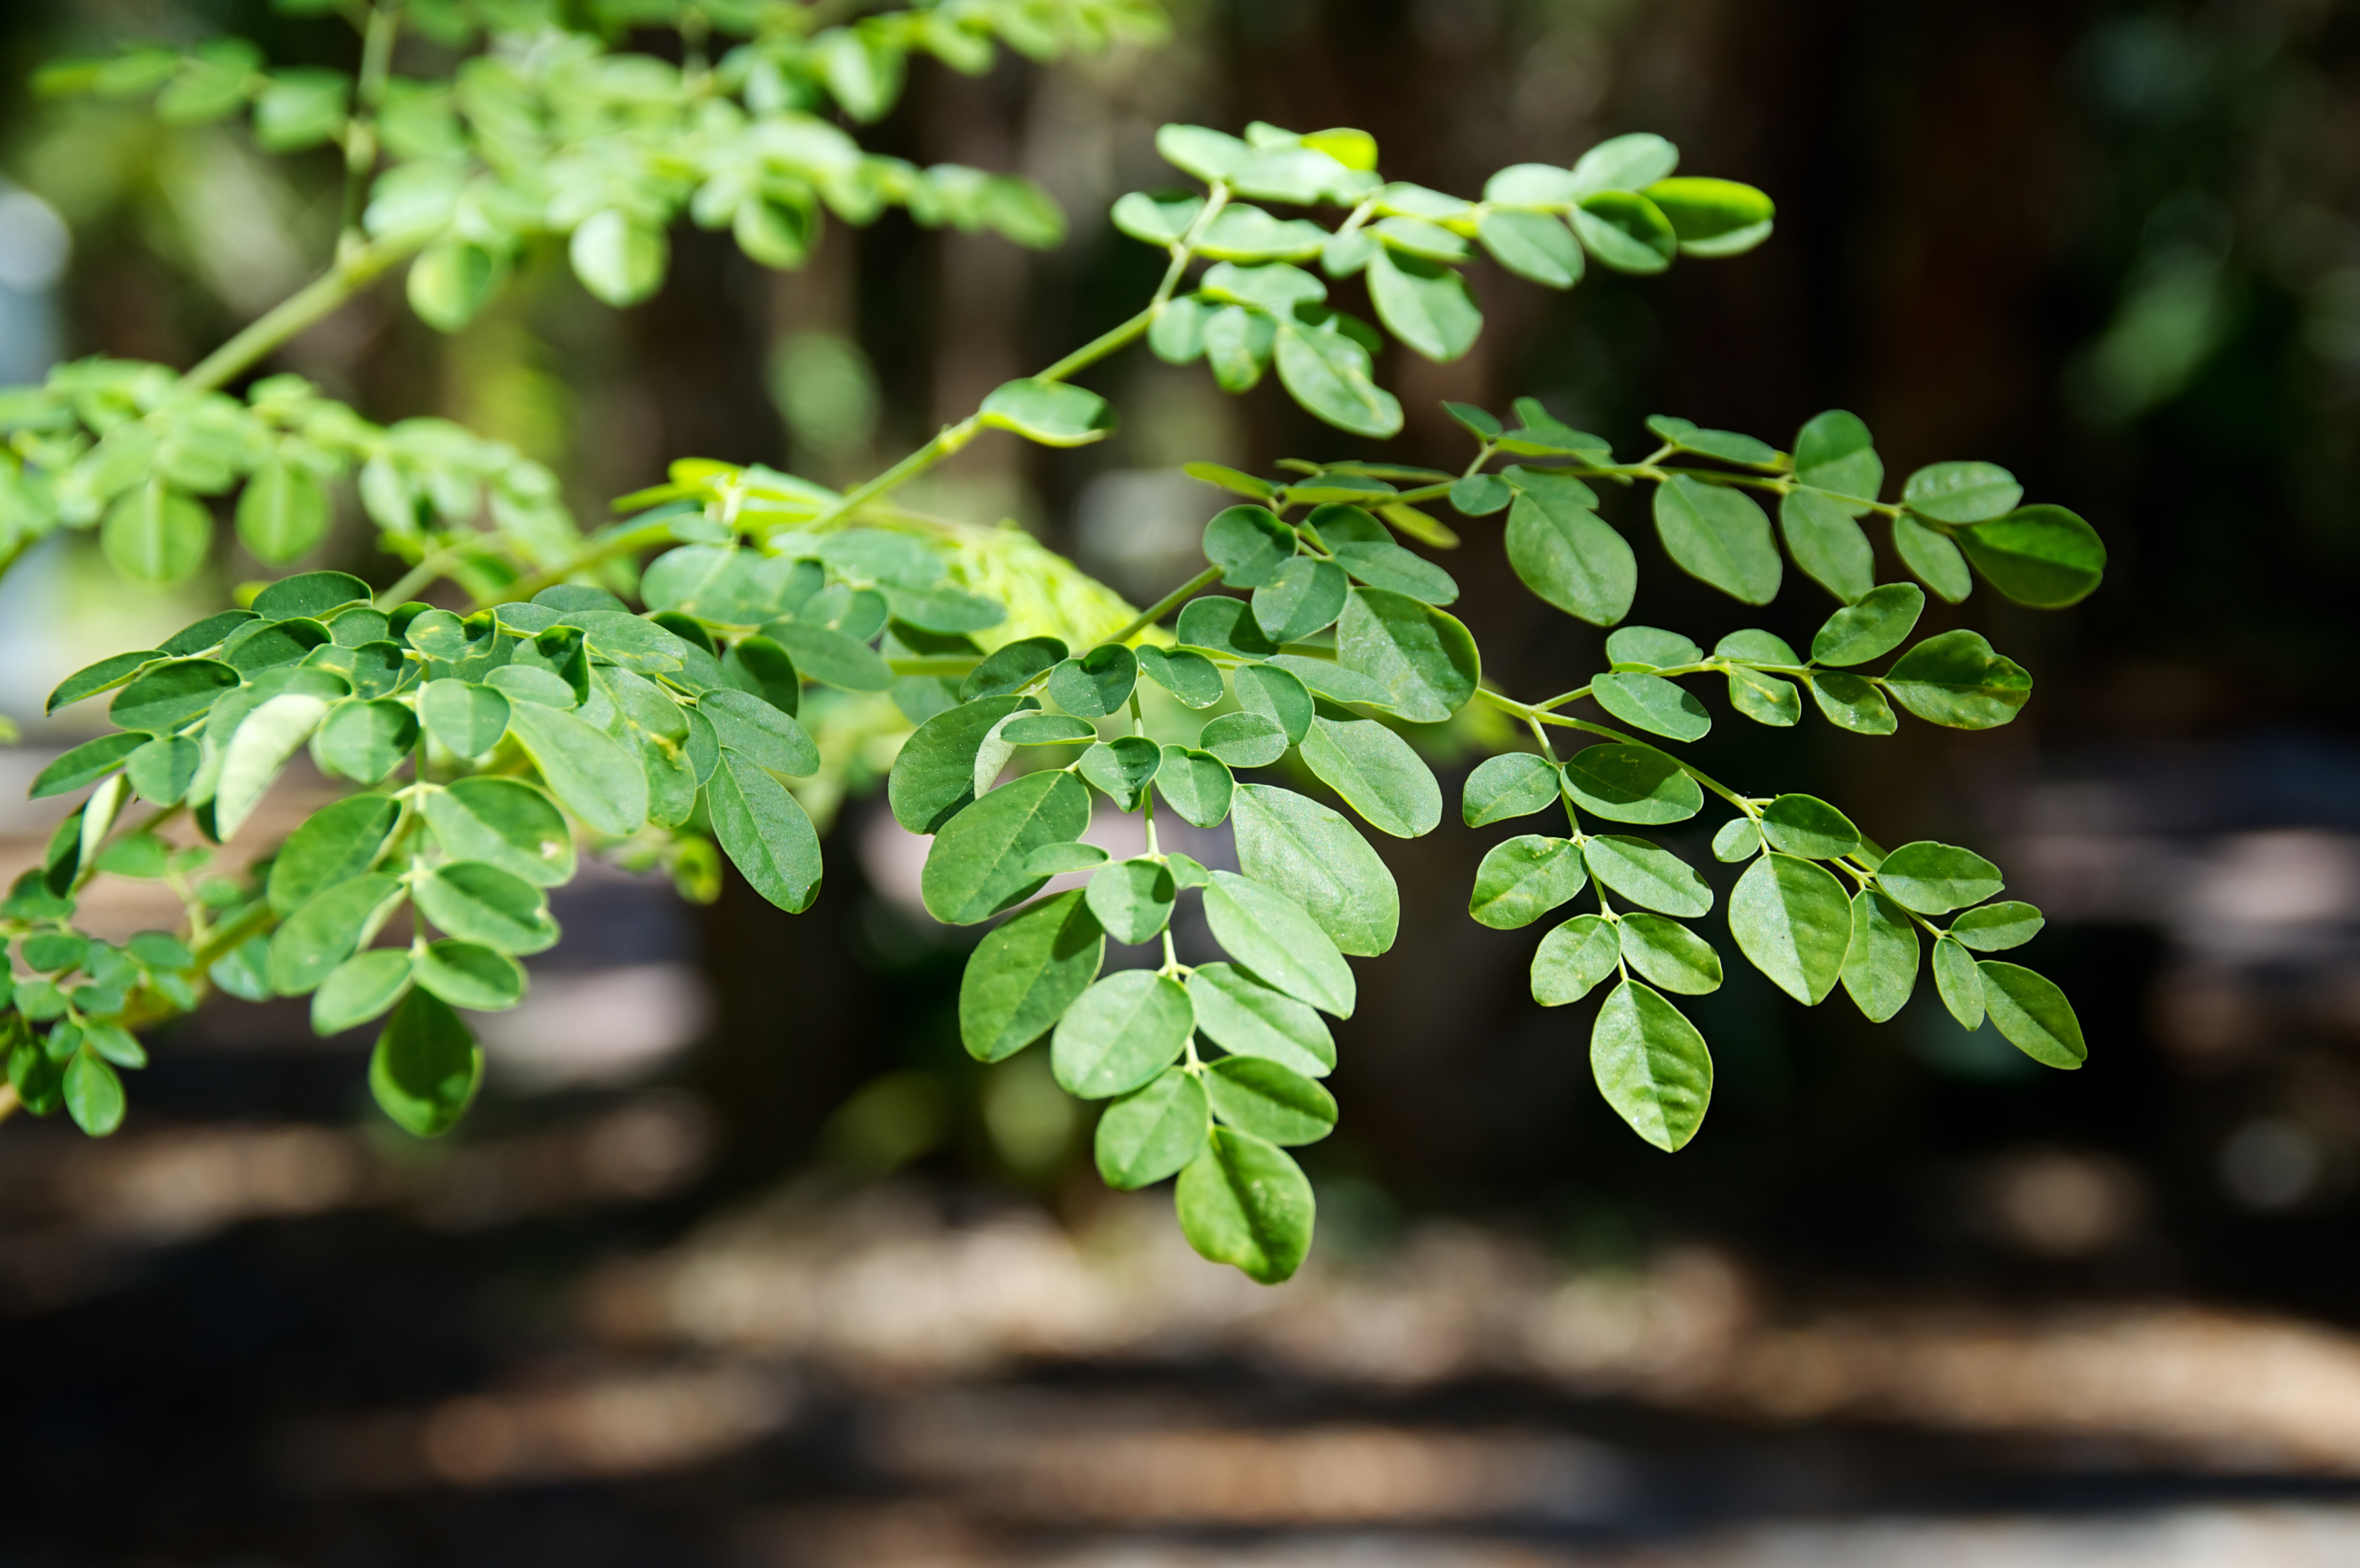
(1165, 605)
(360, 131)
(315, 301)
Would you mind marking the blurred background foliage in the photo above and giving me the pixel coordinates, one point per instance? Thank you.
(2114, 247)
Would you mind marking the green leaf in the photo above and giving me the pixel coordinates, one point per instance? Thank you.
(1151, 1132)
(113, 1043)
(467, 974)
(596, 778)
(481, 903)
(1157, 220)
(1653, 704)
(1934, 879)
(463, 717)
(1670, 954)
(618, 258)
(259, 750)
(450, 282)
(196, 637)
(1243, 1016)
(1962, 492)
(1932, 559)
(1377, 773)
(829, 656)
(1025, 973)
(1955, 679)
(92, 679)
(1245, 1204)
(2039, 555)
(1881, 960)
(1524, 878)
(167, 695)
(1243, 739)
(1573, 957)
(1132, 899)
(1807, 825)
(1193, 678)
(1238, 343)
(336, 843)
(1277, 695)
(1303, 596)
(1274, 936)
(976, 867)
(309, 594)
(1870, 627)
(324, 931)
(1229, 478)
(1828, 544)
(1630, 782)
(766, 833)
(155, 536)
(1325, 677)
(1256, 1095)
(1852, 702)
(1120, 1033)
(1514, 783)
(1631, 163)
(1005, 669)
(1531, 245)
(1224, 625)
(1046, 730)
(1719, 535)
(1329, 375)
(1056, 859)
(1626, 231)
(1740, 839)
(366, 741)
(1726, 445)
(1316, 858)
(1649, 648)
(757, 730)
(1713, 217)
(934, 777)
(282, 513)
(1249, 543)
(1383, 565)
(1766, 699)
(1995, 927)
(1198, 785)
(505, 822)
(86, 763)
(1792, 919)
(1423, 656)
(1243, 233)
(1647, 874)
(426, 1068)
(93, 1095)
(1564, 553)
(1276, 289)
(1481, 495)
(1958, 982)
(1424, 303)
(2032, 1015)
(1121, 768)
(163, 770)
(1652, 1064)
(1050, 412)
(360, 989)
(1834, 452)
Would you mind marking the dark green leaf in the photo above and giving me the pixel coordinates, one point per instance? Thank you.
(1870, 627)
(1934, 879)
(1025, 973)
(1277, 695)
(1725, 444)
(1649, 648)
(1243, 1016)
(85, 765)
(1132, 900)
(366, 741)
(757, 730)
(1423, 656)
(1197, 785)
(758, 664)
(1514, 783)
(1256, 1095)
(1424, 303)
(1958, 982)
(1151, 1132)
(1193, 678)
(1244, 740)
(2032, 1015)
(92, 679)
(1377, 773)
(1524, 878)
(426, 1068)
(832, 658)
(934, 777)
(1720, 535)
(1852, 702)
(1056, 859)
(1249, 543)
(1626, 231)
(1652, 1064)
(325, 929)
(1121, 768)
(1766, 699)
(2041, 555)
(360, 989)
(1995, 927)
(1807, 825)
(167, 695)
(1828, 544)
(1531, 245)
(1272, 936)
(468, 974)
(1955, 679)
(163, 770)
(1962, 492)
(1481, 495)
(598, 780)
(338, 842)
(1631, 782)
(1792, 919)
(1120, 1033)
(1835, 452)
(1224, 625)
(1328, 374)
(1301, 597)
(465, 718)
(93, 1095)
(309, 594)
(1881, 960)
(1932, 559)
(1245, 1204)
(480, 903)
(1564, 553)
(765, 832)
(976, 867)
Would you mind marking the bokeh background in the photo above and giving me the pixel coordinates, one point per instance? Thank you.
(741, 1261)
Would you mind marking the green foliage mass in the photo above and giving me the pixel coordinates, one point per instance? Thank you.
(489, 748)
